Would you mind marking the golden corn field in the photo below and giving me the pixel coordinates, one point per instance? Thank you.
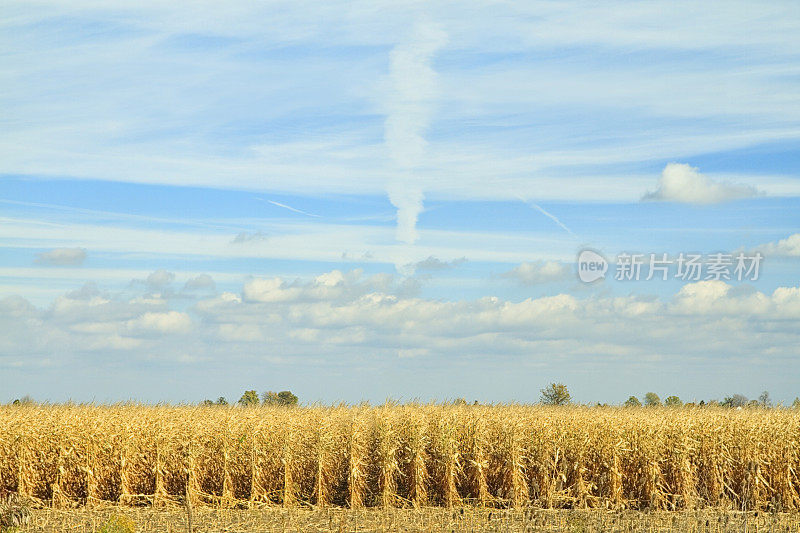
(403, 456)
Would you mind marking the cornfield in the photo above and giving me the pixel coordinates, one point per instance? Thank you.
(402, 456)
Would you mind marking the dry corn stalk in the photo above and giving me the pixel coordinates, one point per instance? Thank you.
(403, 455)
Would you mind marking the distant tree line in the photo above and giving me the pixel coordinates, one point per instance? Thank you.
(250, 398)
(651, 399)
(558, 394)
(553, 394)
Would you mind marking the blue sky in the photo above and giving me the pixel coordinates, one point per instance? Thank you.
(367, 200)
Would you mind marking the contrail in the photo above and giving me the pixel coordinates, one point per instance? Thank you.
(290, 208)
(547, 214)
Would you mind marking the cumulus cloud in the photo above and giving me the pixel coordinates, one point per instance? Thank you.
(680, 182)
(159, 279)
(736, 321)
(328, 286)
(16, 306)
(88, 291)
(788, 247)
(62, 257)
(200, 283)
(717, 298)
(347, 318)
(535, 272)
(161, 322)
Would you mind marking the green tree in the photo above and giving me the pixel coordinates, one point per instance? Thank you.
(220, 401)
(673, 401)
(284, 398)
(796, 403)
(555, 394)
(25, 400)
(633, 401)
(249, 398)
(651, 399)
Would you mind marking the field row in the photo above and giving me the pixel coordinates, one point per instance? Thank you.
(412, 455)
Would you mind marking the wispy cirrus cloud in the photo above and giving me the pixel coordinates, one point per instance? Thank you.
(245, 237)
(500, 98)
(432, 263)
(62, 257)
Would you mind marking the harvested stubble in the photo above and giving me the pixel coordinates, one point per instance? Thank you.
(403, 455)
(410, 520)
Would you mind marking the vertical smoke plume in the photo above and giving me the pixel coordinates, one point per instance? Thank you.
(408, 202)
(413, 91)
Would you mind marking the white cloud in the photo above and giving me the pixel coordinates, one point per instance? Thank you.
(245, 237)
(787, 299)
(533, 273)
(788, 247)
(737, 322)
(345, 320)
(408, 202)
(301, 240)
(410, 353)
(412, 93)
(329, 286)
(201, 282)
(682, 183)
(62, 257)
(16, 306)
(161, 322)
(241, 332)
(73, 306)
(413, 90)
(432, 263)
(496, 81)
(267, 290)
(88, 291)
(159, 279)
(717, 298)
